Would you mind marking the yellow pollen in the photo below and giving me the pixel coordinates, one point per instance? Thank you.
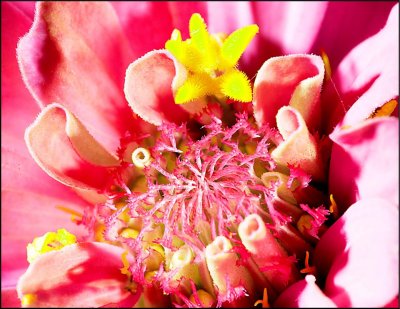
(49, 242)
(264, 302)
(211, 61)
(125, 270)
(28, 300)
(141, 157)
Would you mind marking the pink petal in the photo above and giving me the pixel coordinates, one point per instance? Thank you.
(365, 162)
(364, 18)
(26, 215)
(294, 80)
(369, 76)
(64, 60)
(304, 294)
(18, 107)
(66, 151)
(148, 88)
(360, 255)
(159, 18)
(9, 298)
(79, 275)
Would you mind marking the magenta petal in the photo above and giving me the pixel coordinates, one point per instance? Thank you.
(369, 74)
(79, 275)
(148, 88)
(365, 162)
(64, 60)
(9, 298)
(360, 254)
(304, 294)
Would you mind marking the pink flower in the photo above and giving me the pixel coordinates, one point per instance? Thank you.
(222, 210)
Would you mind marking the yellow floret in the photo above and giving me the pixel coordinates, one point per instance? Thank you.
(211, 62)
(49, 242)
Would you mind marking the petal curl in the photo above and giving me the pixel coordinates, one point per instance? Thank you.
(79, 275)
(66, 151)
(149, 85)
(64, 60)
(365, 162)
(299, 147)
(359, 254)
(294, 80)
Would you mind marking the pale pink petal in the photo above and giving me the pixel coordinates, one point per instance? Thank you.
(365, 162)
(149, 88)
(299, 147)
(71, 58)
(304, 294)
(79, 275)
(359, 254)
(368, 77)
(67, 152)
(294, 80)
(9, 298)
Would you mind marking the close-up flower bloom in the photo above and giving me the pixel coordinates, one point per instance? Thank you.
(200, 154)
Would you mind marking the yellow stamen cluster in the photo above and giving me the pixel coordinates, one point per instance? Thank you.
(211, 61)
(49, 242)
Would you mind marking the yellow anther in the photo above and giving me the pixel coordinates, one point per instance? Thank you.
(125, 270)
(149, 275)
(129, 233)
(28, 300)
(333, 208)
(75, 215)
(205, 298)
(327, 64)
(141, 157)
(211, 62)
(49, 242)
(264, 302)
(384, 110)
(304, 223)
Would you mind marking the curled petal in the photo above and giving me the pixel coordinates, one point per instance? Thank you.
(225, 272)
(359, 254)
(149, 85)
(299, 146)
(66, 151)
(79, 275)
(269, 256)
(63, 60)
(293, 80)
(365, 162)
